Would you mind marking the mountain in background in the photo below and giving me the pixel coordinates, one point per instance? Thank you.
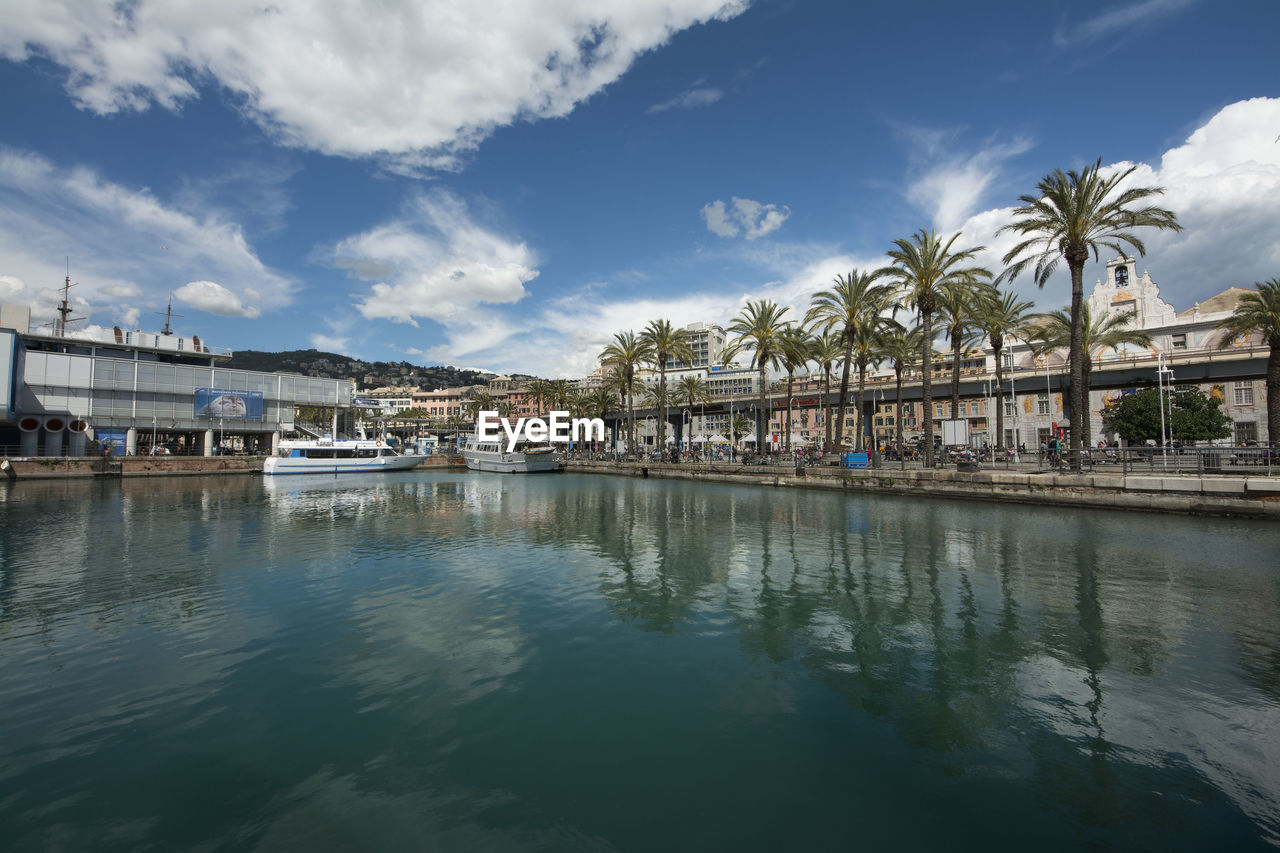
(367, 374)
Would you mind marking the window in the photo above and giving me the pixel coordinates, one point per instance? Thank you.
(1008, 409)
(1244, 393)
(1180, 341)
(1246, 431)
(1042, 404)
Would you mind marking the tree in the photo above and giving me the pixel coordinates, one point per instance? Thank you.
(853, 309)
(759, 328)
(665, 342)
(690, 391)
(540, 391)
(1260, 312)
(828, 350)
(1110, 332)
(1002, 316)
(1068, 218)
(901, 346)
(795, 350)
(627, 353)
(739, 425)
(958, 307)
(1190, 413)
(922, 266)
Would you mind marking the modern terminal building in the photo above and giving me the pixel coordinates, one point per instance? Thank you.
(137, 392)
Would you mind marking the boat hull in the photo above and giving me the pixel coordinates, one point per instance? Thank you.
(293, 465)
(511, 463)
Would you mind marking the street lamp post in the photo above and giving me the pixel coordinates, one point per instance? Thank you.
(1162, 371)
(1013, 394)
(791, 402)
(153, 433)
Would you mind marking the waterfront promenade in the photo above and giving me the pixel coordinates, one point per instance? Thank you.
(1213, 494)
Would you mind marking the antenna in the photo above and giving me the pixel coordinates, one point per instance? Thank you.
(167, 315)
(64, 307)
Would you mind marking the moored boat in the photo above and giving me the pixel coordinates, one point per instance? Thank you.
(527, 458)
(341, 456)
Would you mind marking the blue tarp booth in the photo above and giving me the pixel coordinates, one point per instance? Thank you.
(855, 460)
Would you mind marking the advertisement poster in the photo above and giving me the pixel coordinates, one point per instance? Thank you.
(221, 404)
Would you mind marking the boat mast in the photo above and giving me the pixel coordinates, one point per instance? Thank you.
(168, 315)
(64, 307)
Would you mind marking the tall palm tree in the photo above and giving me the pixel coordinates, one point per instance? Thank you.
(759, 328)
(1260, 312)
(867, 351)
(901, 346)
(666, 342)
(922, 266)
(1002, 317)
(855, 304)
(957, 310)
(795, 351)
(828, 350)
(1110, 331)
(689, 392)
(1069, 217)
(627, 353)
(616, 383)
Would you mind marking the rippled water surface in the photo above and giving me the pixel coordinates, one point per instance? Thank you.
(486, 662)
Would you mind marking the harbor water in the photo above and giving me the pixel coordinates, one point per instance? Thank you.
(473, 662)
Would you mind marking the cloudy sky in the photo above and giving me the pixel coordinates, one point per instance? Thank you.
(506, 183)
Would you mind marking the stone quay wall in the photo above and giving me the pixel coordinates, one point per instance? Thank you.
(1242, 497)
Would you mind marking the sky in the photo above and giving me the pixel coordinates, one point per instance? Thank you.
(505, 184)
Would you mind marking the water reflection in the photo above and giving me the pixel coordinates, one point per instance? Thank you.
(355, 642)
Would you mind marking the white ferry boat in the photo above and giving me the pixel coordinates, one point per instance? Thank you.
(341, 456)
(525, 459)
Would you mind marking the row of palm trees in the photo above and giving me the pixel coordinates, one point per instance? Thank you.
(853, 324)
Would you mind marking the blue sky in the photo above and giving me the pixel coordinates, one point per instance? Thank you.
(505, 184)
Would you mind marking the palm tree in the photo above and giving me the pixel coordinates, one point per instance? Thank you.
(854, 304)
(1111, 331)
(795, 351)
(481, 401)
(540, 390)
(957, 309)
(759, 329)
(665, 342)
(1069, 217)
(616, 383)
(739, 425)
(828, 350)
(690, 391)
(1260, 312)
(1003, 316)
(921, 268)
(626, 353)
(901, 346)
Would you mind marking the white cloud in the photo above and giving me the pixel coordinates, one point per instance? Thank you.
(744, 216)
(126, 246)
(950, 186)
(214, 298)
(423, 80)
(1117, 21)
(698, 96)
(330, 343)
(437, 263)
